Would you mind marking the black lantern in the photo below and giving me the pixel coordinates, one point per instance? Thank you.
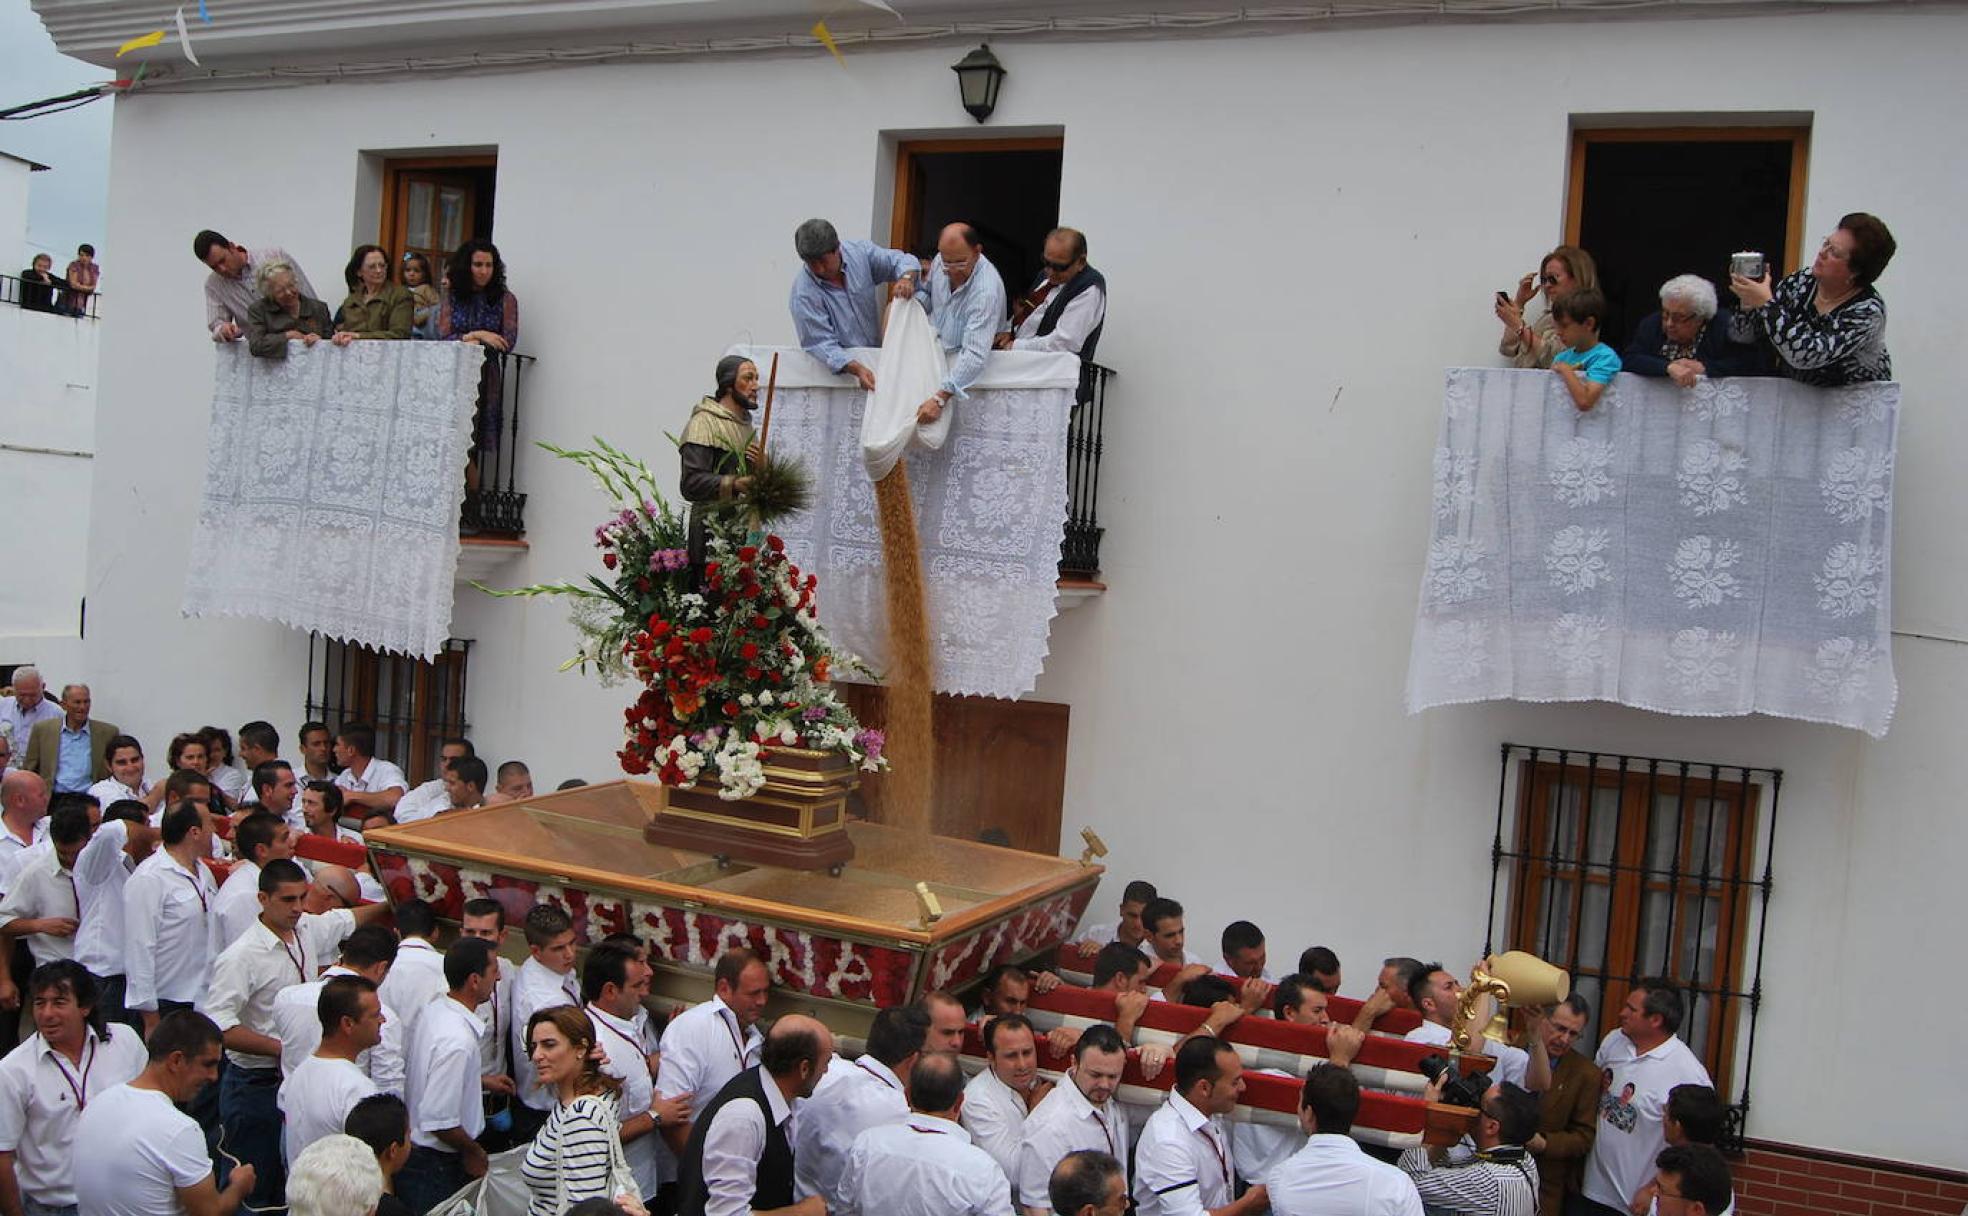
(979, 75)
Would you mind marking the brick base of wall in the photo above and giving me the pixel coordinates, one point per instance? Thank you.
(1784, 1180)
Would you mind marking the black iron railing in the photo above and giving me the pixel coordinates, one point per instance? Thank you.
(40, 297)
(1619, 868)
(494, 503)
(1079, 555)
(414, 704)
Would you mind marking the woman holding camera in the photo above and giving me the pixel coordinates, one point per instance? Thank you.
(1536, 343)
(1827, 324)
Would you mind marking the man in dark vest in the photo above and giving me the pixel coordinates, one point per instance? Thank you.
(1067, 307)
(740, 1154)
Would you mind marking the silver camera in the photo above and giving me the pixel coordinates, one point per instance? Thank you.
(1748, 264)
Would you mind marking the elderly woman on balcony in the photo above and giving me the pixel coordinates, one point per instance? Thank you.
(376, 307)
(1827, 325)
(1683, 342)
(282, 315)
(1535, 343)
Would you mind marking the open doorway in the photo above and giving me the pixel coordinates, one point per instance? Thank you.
(433, 204)
(1008, 189)
(1652, 203)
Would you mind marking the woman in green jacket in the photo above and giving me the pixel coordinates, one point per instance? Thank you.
(377, 306)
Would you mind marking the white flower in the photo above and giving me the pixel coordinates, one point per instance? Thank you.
(1854, 484)
(1578, 643)
(787, 734)
(1848, 584)
(1710, 477)
(1842, 671)
(746, 699)
(1581, 471)
(1575, 561)
(765, 698)
(1455, 570)
(1699, 572)
(1698, 660)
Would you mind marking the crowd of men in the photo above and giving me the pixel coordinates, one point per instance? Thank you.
(204, 1035)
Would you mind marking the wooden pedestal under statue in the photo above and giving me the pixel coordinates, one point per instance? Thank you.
(797, 820)
(909, 913)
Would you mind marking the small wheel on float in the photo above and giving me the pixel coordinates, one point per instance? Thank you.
(834, 871)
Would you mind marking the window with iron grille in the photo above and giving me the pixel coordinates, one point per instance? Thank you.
(414, 704)
(1618, 868)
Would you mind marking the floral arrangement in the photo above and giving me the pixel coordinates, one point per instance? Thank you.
(730, 668)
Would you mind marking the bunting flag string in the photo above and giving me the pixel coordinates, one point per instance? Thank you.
(184, 37)
(826, 37)
(137, 44)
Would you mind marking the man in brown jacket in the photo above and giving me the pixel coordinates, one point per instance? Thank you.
(71, 752)
(1569, 1109)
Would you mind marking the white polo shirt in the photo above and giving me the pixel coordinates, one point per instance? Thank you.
(1182, 1164)
(378, 776)
(495, 1015)
(42, 887)
(441, 1081)
(297, 1024)
(920, 1165)
(1260, 1148)
(1511, 1062)
(317, 1099)
(1633, 1128)
(624, 1058)
(994, 1115)
(536, 988)
(702, 1050)
(13, 847)
(42, 1095)
(1065, 1122)
(425, 802)
(157, 1149)
(250, 973)
(110, 790)
(855, 1096)
(1331, 1176)
(238, 904)
(415, 979)
(168, 929)
(101, 871)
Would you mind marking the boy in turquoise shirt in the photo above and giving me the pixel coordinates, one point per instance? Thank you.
(1586, 365)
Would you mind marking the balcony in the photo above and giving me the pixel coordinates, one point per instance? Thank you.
(35, 297)
(492, 522)
(1079, 554)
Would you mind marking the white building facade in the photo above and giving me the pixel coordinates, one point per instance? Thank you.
(1302, 226)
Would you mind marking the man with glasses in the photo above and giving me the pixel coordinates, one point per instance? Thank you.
(1499, 1178)
(1067, 306)
(967, 307)
(1568, 1115)
(834, 302)
(1693, 1180)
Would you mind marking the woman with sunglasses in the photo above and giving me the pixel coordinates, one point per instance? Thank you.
(1535, 342)
(1827, 325)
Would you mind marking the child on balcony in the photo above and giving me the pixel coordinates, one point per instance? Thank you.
(1586, 365)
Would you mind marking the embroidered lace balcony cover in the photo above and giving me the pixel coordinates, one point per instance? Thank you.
(353, 457)
(990, 512)
(1712, 551)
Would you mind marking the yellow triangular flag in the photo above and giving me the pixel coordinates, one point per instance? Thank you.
(137, 44)
(826, 37)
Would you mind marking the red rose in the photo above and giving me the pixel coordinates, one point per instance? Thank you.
(775, 544)
(731, 709)
(749, 650)
(608, 560)
(759, 622)
(701, 635)
(748, 554)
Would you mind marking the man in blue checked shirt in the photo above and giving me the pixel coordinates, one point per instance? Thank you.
(834, 302)
(967, 307)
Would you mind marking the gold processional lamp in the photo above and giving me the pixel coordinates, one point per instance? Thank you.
(1095, 847)
(1516, 979)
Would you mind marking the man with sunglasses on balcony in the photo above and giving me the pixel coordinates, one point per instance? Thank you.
(1066, 309)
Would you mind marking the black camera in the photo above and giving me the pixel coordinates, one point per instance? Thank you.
(1460, 1090)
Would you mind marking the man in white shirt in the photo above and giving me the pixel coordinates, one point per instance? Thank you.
(998, 1099)
(321, 812)
(1697, 1177)
(1079, 1114)
(853, 1097)
(1331, 1176)
(739, 1160)
(161, 1164)
(1069, 302)
(485, 919)
(1166, 940)
(442, 1086)
(102, 869)
(285, 946)
(1299, 1001)
(416, 978)
(1646, 1061)
(613, 985)
(276, 792)
(316, 1100)
(1126, 930)
(46, 1082)
(367, 954)
(23, 818)
(515, 781)
(436, 796)
(317, 745)
(126, 776)
(706, 1045)
(256, 840)
(1182, 1163)
(1244, 955)
(545, 979)
(28, 706)
(1435, 994)
(40, 904)
(370, 787)
(168, 927)
(923, 1164)
(1088, 1183)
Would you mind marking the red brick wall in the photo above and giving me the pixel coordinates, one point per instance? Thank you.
(1779, 1180)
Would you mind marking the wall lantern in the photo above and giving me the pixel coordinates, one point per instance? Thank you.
(979, 75)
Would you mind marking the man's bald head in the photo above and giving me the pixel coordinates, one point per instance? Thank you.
(333, 887)
(796, 1053)
(959, 246)
(24, 794)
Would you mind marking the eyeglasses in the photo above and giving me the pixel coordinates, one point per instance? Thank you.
(1680, 318)
(1833, 250)
(1549, 280)
(340, 898)
(1057, 267)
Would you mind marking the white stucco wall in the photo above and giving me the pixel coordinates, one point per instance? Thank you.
(1301, 231)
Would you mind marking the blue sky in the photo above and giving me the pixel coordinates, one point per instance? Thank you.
(67, 205)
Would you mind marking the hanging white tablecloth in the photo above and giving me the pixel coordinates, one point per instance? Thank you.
(1713, 551)
(990, 511)
(332, 486)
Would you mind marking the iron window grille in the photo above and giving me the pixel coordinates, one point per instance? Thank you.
(414, 704)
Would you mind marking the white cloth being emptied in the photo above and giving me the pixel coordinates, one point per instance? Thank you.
(910, 369)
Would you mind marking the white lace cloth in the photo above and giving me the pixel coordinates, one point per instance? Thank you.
(1714, 551)
(353, 456)
(990, 510)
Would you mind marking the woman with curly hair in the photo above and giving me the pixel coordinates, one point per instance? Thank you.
(479, 308)
(578, 1152)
